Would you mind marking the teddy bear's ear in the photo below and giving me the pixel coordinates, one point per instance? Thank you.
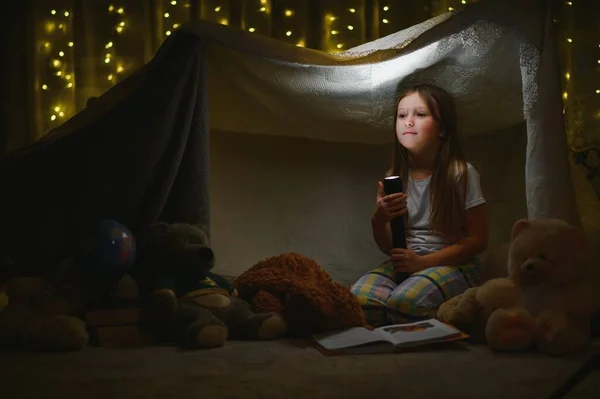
(518, 227)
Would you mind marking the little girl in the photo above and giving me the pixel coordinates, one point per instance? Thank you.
(444, 211)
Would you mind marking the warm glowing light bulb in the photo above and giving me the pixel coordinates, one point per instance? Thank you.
(53, 117)
(340, 45)
(386, 8)
(352, 10)
(120, 68)
(350, 27)
(44, 87)
(570, 40)
(66, 13)
(288, 33)
(53, 12)
(174, 3)
(110, 77)
(568, 75)
(121, 10)
(108, 45)
(70, 84)
(288, 13)
(262, 9)
(218, 8)
(385, 21)
(111, 8)
(61, 53)
(251, 29)
(166, 15)
(70, 44)
(168, 33)
(106, 60)
(56, 109)
(119, 29)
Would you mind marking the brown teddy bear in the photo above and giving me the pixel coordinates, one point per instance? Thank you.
(190, 304)
(546, 301)
(299, 289)
(34, 315)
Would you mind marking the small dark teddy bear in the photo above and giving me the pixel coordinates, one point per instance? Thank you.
(190, 304)
(299, 289)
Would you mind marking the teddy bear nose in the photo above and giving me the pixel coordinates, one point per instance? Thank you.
(528, 267)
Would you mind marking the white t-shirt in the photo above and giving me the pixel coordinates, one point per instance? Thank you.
(418, 235)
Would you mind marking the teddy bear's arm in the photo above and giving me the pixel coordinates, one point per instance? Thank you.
(165, 284)
(460, 311)
(498, 293)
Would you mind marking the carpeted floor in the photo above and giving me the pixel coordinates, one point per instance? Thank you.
(284, 368)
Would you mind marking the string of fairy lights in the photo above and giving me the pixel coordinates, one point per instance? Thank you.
(215, 11)
(343, 29)
(114, 64)
(257, 16)
(577, 99)
(294, 34)
(56, 82)
(175, 13)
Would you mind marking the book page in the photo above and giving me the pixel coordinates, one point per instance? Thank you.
(417, 333)
(348, 338)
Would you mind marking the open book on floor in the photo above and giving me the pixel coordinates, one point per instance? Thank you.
(386, 339)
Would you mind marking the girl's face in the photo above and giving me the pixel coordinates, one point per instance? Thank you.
(416, 129)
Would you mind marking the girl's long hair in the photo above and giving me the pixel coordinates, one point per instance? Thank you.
(449, 178)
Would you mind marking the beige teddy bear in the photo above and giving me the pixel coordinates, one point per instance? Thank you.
(545, 302)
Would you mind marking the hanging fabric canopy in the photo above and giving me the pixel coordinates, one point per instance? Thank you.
(298, 139)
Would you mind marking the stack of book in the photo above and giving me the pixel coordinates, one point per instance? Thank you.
(120, 327)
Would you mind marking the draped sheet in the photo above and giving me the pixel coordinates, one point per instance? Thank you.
(143, 152)
(496, 58)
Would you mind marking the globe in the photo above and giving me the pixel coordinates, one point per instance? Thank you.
(106, 252)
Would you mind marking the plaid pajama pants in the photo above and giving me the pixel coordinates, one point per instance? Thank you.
(384, 301)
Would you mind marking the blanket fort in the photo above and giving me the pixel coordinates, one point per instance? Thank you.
(142, 152)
